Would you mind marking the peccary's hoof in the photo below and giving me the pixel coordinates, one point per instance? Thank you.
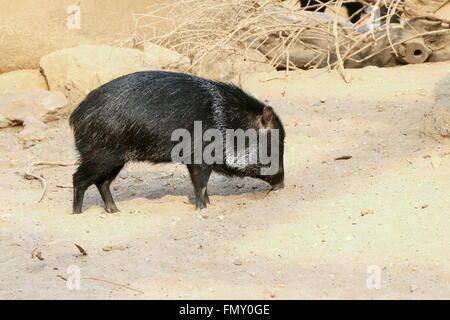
(76, 212)
(200, 206)
(112, 210)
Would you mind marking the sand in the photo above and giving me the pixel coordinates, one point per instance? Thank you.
(371, 227)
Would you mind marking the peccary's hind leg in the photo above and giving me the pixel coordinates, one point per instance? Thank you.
(78, 196)
(105, 192)
(82, 179)
(200, 175)
(95, 171)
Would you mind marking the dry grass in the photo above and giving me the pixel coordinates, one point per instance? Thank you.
(196, 27)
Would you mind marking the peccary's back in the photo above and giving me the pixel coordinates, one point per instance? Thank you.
(134, 116)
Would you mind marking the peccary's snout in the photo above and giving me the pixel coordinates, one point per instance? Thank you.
(276, 181)
(278, 185)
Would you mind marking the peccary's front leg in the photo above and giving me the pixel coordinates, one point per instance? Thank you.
(200, 175)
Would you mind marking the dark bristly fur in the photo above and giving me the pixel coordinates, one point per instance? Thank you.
(132, 119)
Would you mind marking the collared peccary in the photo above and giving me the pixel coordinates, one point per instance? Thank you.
(133, 118)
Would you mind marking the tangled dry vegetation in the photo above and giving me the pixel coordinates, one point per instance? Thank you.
(292, 38)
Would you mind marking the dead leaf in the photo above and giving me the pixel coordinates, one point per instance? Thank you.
(343, 158)
(36, 253)
(436, 162)
(82, 251)
(366, 212)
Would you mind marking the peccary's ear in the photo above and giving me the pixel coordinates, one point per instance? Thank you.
(267, 116)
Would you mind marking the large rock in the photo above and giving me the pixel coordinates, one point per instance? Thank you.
(437, 121)
(425, 6)
(30, 30)
(33, 131)
(229, 64)
(166, 58)
(43, 105)
(77, 71)
(22, 80)
(444, 11)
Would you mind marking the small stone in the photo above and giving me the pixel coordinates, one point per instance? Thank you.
(237, 262)
(219, 180)
(221, 217)
(413, 288)
(123, 175)
(33, 131)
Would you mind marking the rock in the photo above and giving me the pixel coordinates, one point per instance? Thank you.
(437, 121)
(102, 22)
(22, 80)
(437, 124)
(438, 43)
(43, 105)
(123, 175)
(34, 130)
(77, 71)
(444, 11)
(219, 180)
(229, 64)
(166, 58)
(237, 262)
(425, 6)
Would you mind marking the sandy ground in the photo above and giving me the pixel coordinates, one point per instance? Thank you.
(386, 209)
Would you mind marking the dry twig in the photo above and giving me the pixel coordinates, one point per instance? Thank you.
(198, 27)
(30, 175)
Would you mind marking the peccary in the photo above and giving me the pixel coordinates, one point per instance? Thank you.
(134, 117)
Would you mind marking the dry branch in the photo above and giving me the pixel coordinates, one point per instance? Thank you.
(30, 175)
(275, 28)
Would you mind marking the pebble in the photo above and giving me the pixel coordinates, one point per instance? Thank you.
(123, 175)
(237, 262)
(219, 180)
